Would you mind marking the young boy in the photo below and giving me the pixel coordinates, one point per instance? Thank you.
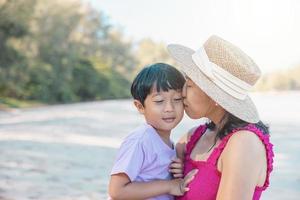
(141, 170)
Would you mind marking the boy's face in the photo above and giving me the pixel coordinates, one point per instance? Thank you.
(162, 110)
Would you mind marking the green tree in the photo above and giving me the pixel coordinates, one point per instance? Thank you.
(149, 51)
(61, 51)
(14, 15)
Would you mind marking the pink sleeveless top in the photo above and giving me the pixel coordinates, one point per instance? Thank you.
(206, 183)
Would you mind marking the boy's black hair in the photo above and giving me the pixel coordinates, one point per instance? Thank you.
(161, 75)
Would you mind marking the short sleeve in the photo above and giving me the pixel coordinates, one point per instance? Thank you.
(129, 159)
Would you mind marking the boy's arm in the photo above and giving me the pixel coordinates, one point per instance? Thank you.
(121, 188)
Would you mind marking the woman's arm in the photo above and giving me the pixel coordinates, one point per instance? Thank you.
(176, 167)
(242, 162)
(121, 188)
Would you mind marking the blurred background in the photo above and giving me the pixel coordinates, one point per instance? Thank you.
(65, 72)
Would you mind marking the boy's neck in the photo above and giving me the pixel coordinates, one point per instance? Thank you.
(165, 136)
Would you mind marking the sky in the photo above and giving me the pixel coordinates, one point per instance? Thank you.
(267, 30)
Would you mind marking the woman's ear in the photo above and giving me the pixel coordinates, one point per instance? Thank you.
(139, 106)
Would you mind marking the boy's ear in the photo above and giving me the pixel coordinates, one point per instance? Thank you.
(139, 106)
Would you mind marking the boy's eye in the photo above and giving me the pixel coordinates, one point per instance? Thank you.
(178, 99)
(158, 101)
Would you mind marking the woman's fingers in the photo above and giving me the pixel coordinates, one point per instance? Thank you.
(189, 177)
(178, 175)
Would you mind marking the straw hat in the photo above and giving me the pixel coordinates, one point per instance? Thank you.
(224, 72)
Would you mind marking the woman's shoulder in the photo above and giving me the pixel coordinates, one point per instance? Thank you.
(182, 142)
(250, 136)
(191, 132)
(186, 137)
(245, 139)
(244, 145)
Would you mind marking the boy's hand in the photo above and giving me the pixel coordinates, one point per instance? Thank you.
(179, 186)
(176, 168)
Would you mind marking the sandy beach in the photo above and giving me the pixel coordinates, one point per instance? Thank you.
(66, 151)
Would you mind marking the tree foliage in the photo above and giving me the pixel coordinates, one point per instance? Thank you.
(56, 51)
(280, 80)
(49, 48)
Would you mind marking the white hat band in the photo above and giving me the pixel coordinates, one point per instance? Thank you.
(225, 80)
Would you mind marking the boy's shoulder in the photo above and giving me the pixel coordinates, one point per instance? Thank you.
(141, 133)
(144, 136)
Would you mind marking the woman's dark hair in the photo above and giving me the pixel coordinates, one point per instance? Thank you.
(161, 75)
(230, 122)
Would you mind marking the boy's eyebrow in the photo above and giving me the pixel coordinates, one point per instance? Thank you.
(155, 94)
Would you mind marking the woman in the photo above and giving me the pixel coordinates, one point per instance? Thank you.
(232, 151)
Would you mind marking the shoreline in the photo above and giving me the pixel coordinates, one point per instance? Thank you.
(24, 104)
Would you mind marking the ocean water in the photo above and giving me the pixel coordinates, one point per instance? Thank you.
(65, 152)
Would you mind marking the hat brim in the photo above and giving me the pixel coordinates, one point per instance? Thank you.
(243, 109)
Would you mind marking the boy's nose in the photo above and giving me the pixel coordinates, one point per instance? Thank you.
(169, 107)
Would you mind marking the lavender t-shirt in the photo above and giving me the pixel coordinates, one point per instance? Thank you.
(144, 157)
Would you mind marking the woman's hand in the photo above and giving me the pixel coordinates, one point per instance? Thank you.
(176, 168)
(179, 186)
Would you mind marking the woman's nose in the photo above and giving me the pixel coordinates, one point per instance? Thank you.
(184, 91)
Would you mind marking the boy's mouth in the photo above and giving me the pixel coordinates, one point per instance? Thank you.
(169, 119)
